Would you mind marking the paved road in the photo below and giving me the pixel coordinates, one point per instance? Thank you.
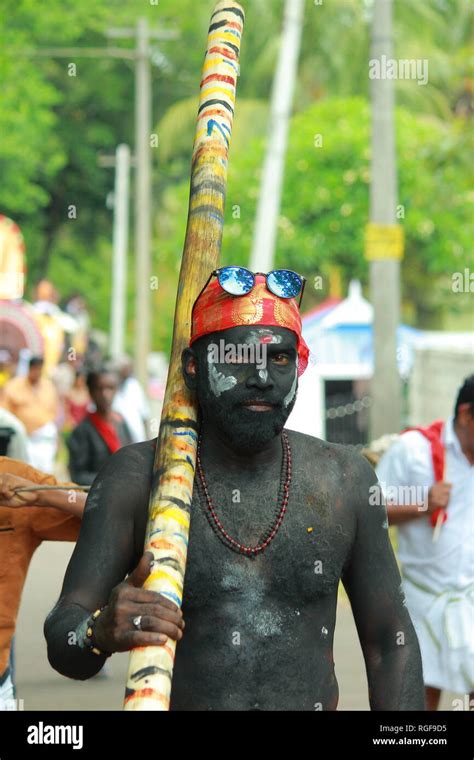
(42, 688)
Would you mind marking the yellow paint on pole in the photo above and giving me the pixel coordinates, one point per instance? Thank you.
(151, 668)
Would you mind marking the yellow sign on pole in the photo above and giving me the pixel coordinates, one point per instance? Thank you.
(384, 241)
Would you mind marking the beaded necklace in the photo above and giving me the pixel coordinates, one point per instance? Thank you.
(283, 496)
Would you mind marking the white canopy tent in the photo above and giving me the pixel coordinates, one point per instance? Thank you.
(340, 341)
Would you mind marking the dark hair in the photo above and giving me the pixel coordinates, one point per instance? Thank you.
(466, 395)
(36, 361)
(94, 374)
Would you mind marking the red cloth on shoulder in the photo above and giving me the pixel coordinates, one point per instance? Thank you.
(433, 433)
(107, 431)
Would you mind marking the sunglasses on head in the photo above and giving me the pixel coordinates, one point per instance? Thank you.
(238, 281)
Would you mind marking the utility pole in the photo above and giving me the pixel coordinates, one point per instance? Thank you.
(118, 310)
(264, 240)
(142, 35)
(384, 237)
(142, 200)
(143, 121)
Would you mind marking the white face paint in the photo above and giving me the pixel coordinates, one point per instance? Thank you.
(261, 338)
(256, 336)
(292, 392)
(218, 381)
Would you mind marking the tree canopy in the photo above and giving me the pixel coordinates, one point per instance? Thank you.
(57, 119)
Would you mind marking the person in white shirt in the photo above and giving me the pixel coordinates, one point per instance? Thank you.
(437, 563)
(130, 401)
(16, 438)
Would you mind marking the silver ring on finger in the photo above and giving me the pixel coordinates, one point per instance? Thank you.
(137, 622)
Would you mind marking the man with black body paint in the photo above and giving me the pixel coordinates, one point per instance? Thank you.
(259, 631)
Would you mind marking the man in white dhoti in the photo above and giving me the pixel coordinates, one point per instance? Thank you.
(34, 400)
(430, 472)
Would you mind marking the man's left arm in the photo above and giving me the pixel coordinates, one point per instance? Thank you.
(373, 584)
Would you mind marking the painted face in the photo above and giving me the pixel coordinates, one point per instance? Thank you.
(247, 382)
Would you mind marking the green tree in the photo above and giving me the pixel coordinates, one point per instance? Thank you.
(325, 202)
(54, 126)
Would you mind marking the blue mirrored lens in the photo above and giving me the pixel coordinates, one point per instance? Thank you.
(236, 280)
(284, 283)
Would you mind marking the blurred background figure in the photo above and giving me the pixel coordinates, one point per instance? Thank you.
(130, 400)
(13, 437)
(101, 433)
(48, 316)
(6, 368)
(437, 465)
(26, 520)
(75, 306)
(76, 401)
(34, 401)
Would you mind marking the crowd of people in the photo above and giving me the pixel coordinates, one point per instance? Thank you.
(103, 409)
(49, 429)
(243, 410)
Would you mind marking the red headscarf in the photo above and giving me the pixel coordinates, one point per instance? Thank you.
(217, 310)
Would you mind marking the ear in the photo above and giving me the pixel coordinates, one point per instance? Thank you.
(189, 368)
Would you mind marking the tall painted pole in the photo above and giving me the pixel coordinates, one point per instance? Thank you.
(120, 245)
(268, 208)
(151, 668)
(384, 239)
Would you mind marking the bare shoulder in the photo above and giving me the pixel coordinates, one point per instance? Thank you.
(137, 456)
(125, 480)
(343, 462)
